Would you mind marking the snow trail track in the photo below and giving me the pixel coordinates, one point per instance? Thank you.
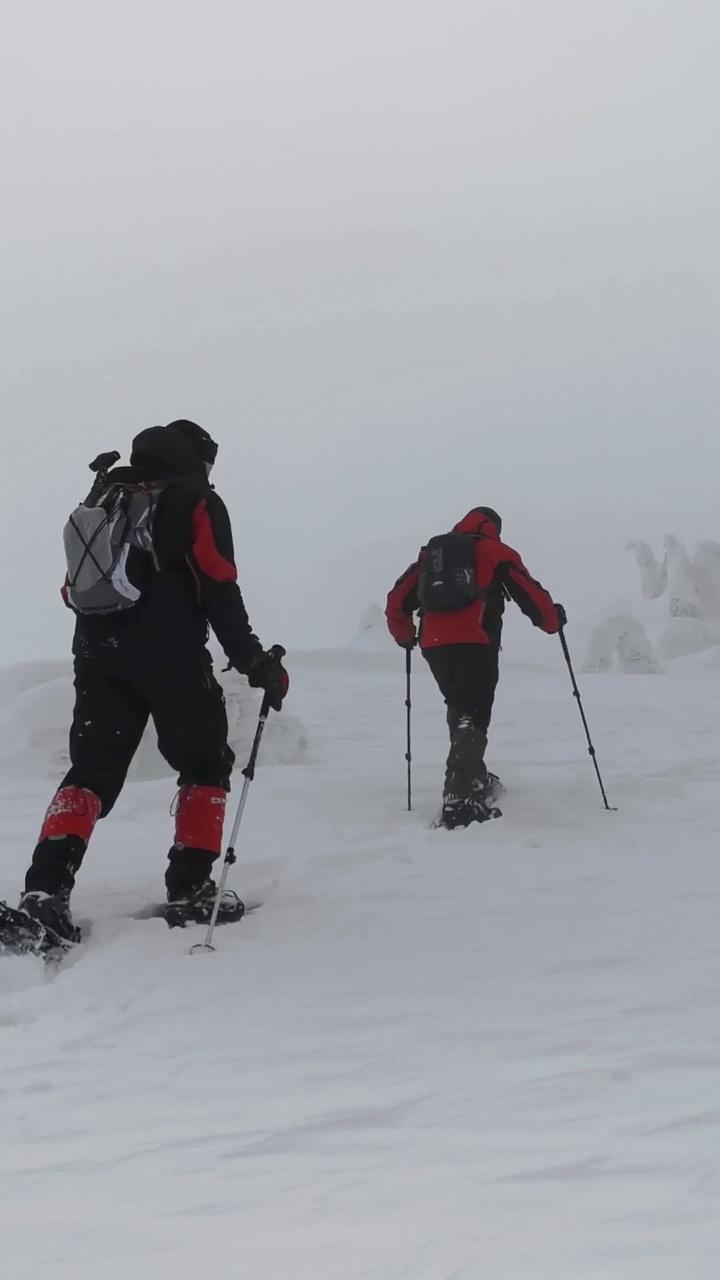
(491, 1055)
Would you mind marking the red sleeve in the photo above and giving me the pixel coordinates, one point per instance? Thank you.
(211, 560)
(535, 602)
(206, 553)
(401, 604)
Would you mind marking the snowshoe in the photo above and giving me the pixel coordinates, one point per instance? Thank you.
(23, 932)
(159, 911)
(462, 813)
(199, 908)
(52, 911)
(493, 788)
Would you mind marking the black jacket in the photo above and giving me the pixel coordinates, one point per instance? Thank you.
(195, 586)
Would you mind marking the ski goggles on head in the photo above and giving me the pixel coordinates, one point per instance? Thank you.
(205, 446)
(208, 451)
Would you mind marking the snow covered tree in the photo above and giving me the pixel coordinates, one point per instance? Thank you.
(620, 643)
(653, 573)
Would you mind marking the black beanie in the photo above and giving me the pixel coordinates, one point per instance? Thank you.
(201, 441)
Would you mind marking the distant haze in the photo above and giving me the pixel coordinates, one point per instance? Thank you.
(400, 258)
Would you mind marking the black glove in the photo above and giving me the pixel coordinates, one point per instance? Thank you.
(408, 644)
(561, 616)
(268, 673)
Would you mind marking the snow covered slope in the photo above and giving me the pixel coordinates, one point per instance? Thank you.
(491, 1055)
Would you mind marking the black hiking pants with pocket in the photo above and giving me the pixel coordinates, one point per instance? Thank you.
(127, 673)
(114, 699)
(467, 676)
(116, 693)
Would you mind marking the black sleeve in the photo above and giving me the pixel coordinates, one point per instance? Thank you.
(212, 563)
(535, 602)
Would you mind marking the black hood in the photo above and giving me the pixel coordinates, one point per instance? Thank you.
(180, 449)
(491, 515)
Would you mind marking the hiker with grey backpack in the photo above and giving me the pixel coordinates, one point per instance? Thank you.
(150, 571)
(458, 585)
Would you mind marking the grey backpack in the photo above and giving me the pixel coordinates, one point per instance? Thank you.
(109, 549)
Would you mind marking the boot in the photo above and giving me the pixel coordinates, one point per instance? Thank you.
(188, 871)
(55, 863)
(199, 835)
(199, 819)
(466, 792)
(191, 890)
(197, 908)
(52, 911)
(66, 831)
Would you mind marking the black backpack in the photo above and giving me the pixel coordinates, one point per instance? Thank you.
(448, 575)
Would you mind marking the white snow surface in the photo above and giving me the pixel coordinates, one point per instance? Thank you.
(481, 1055)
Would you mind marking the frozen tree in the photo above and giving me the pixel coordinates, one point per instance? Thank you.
(691, 587)
(684, 602)
(691, 582)
(621, 644)
(706, 574)
(653, 573)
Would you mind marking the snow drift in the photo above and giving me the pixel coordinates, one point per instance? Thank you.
(36, 702)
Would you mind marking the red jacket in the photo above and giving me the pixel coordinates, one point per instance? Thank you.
(500, 574)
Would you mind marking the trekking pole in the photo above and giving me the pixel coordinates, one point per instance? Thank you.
(408, 704)
(576, 693)
(248, 774)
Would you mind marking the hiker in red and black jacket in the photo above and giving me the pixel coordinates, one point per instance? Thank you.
(151, 660)
(469, 578)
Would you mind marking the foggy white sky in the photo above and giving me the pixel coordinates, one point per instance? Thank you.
(400, 258)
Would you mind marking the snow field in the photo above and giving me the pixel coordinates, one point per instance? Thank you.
(490, 1055)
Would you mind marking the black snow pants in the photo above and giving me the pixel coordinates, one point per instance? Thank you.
(127, 672)
(467, 676)
(118, 691)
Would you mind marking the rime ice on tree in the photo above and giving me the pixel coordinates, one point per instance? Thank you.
(689, 585)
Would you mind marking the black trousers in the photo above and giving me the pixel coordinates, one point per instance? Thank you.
(117, 691)
(467, 676)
